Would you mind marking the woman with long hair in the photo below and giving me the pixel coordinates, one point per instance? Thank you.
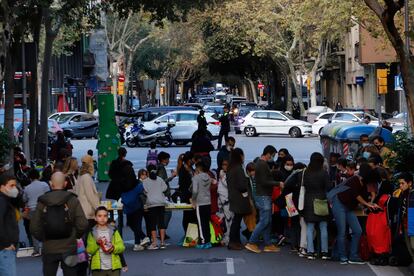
(71, 169)
(238, 189)
(316, 183)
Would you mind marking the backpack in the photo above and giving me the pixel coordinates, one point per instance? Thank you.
(57, 222)
(152, 158)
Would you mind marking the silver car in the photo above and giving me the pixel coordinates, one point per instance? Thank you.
(81, 124)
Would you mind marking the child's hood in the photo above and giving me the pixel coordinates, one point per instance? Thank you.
(204, 179)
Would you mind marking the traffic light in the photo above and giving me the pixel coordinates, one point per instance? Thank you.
(382, 81)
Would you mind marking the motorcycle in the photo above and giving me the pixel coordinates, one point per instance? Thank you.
(143, 138)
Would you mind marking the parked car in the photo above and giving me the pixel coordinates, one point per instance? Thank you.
(80, 123)
(240, 113)
(340, 117)
(185, 125)
(150, 113)
(398, 122)
(274, 122)
(220, 97)
(215, 108)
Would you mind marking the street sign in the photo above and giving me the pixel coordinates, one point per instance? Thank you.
(121, 78)
(398, 83)
(72, 89)
(359, 80)
(19, 75)
(260, 86)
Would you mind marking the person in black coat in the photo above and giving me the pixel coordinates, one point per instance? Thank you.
(316, 183)
(123, 178)
(201, 143)
(225, 126)
(185, 174)
(238, 187)
(201, 120)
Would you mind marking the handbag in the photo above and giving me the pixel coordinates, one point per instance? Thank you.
(301, 202)
(320, 207)
(290, 206)
(81, 251)
(191, 236)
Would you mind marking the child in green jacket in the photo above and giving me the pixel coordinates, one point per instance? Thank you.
(105, 245)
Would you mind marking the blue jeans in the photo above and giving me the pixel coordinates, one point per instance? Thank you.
(263, 227)
(343, 216)
(323, 229)
(7, 262)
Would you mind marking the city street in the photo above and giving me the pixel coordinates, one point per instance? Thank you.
(176, 260)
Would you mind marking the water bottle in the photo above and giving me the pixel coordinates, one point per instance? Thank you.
(178, 200)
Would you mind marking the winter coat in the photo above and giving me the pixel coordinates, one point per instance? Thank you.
(87, 195)
(123, 178)
(238, 184)
(93, 249)
(222, 155)
(9, 229)
(316, 186)
(80, 224)
(184, 184)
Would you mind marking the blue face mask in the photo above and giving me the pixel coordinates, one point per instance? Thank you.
(366, 154)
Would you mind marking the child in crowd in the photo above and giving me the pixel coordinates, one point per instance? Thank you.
(351, 168)
(201, 201)
(223, 201)
(105, 245)
(152, 155)
(341, 170)
(155, 189)
(142, 175)
(251, 219)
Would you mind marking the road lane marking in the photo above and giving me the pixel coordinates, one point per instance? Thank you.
(385, 270)
(230, 266)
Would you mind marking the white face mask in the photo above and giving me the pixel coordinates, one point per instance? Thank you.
(13, 192)
(365, 144)
(288, 168)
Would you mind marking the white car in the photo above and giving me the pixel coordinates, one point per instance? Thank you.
(185, 125)
(274, 122)
(340, 117)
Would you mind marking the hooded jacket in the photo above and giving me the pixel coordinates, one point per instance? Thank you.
(79, 222)
(87, 194)
(201, 189)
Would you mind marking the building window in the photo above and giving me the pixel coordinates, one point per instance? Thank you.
(356, 54)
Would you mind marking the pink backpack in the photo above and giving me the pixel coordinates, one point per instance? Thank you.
(152, 158)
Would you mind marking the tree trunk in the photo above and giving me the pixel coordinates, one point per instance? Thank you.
(45, 106)
(34, 93)
(289, 106)
(386, 15)
(253, 90)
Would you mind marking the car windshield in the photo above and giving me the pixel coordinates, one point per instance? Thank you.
(214, 109)
(287, 116)
(61, 118)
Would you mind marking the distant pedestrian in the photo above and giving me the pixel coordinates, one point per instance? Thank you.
(201, 201)
(224, 151)
(9, 229)
(58, 221)
(338, 106)
(201, 143)
(122, 175)
(152, 155)
(105, 245)
(30, 196)
(88, 158)
(185, 174)
(225, 126)
(201, 120)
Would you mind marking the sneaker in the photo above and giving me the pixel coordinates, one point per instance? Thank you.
(325, 256)
(281, 240)
(163, 246)
(356, 261)
(253, 247)
(152, 247)
(145, 241)
(138, 247)
(302, 252)
(311, 256)
(36, 254)
(344, 262)
(271, 248)
(207, 245)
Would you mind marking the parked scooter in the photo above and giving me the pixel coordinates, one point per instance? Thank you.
(143, 138)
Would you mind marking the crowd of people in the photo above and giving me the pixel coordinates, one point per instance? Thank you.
(334, 208)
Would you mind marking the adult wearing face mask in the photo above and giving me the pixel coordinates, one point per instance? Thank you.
(384, 151)
(263, 200)
(9, 230)
(286, 168)
(370, 151)
(224, 152)
(363, 142)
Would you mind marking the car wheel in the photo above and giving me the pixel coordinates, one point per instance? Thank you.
(250, 131)
(131, 143)
(295, 132)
